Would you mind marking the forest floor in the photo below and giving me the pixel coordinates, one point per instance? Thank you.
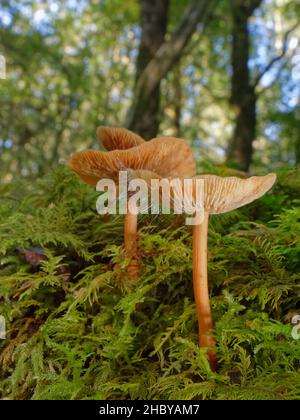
(77, 328)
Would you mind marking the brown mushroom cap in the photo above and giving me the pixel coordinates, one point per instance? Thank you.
(222, 195)
(117, 138)
(166, 156)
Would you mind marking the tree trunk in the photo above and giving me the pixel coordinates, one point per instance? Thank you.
(143, 116)
(154, 26)
(177, 100)
(297, 140)
(243, 96)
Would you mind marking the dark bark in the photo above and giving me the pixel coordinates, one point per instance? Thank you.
(243, 96)
(154, 26)
(297, 145)
(164, 59)
(177, 100)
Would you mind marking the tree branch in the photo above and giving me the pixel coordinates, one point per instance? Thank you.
(278, 57)
(262, 90)
(167, 55)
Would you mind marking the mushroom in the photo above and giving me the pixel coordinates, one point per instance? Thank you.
(122, 139)
(220, 195)
(115, 138)
(162, 156)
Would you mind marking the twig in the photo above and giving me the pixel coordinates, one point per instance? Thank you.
(278, 57)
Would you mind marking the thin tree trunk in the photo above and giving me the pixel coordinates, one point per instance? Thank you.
(243, 96)
(177, 100)
(154, 17)
(297, 143)
(166, 56)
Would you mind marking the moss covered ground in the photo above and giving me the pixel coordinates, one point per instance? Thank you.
(77, 328)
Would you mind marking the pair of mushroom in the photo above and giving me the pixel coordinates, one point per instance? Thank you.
(128, 151)
(168, 157)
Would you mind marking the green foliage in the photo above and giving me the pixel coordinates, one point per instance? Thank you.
(70, 69)
(79, 329)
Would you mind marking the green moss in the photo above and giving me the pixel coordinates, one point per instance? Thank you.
(77, 329)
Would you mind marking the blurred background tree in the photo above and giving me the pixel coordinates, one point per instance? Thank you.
(222, 74)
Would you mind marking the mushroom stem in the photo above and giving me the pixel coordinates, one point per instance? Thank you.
(130, 241)
(201, 293)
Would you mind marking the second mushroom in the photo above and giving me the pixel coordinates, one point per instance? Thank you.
(219, 195)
